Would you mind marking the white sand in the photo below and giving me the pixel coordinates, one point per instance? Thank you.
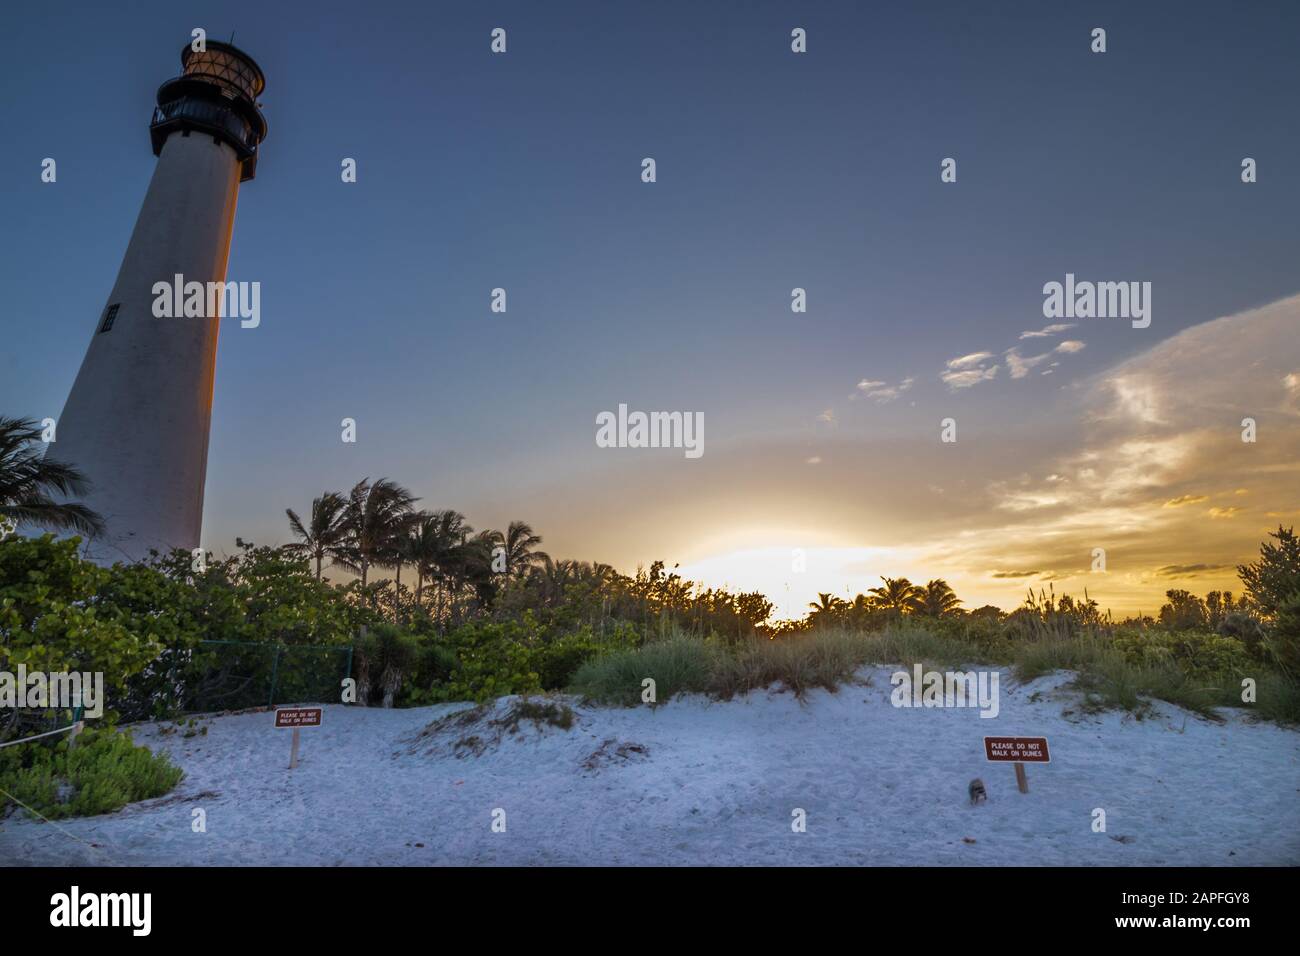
(716, 785)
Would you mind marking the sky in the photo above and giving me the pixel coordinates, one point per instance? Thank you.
(774, 171)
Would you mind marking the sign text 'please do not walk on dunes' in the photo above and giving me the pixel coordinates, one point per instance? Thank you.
(1018, 751)
(296, 718)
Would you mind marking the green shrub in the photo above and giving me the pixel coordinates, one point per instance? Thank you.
(677, 665)
(557, 661)
(435, 662)
(1282, 640)
(492, 660)
(1199, 654)
(104, 772)
(1245, 628)
(381, 658)
(983, 633)
(53, 618)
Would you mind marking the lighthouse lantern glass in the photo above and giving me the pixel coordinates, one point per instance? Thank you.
(229, 71)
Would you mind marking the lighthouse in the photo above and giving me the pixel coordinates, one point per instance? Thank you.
(136, 421)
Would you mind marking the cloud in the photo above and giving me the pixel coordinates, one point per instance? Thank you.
(883, 393)
(1191, 570)
(970, 361)
(1135, 398)
(1124, 464)
(1048, 331)
(968, 370)
(1019, 500)
(1145, 428)
(1020, 365)
(956, 380)
(1224, 512)
(1186, 500)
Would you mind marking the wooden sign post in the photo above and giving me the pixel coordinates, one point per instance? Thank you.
(1020, 751)
(296, 718)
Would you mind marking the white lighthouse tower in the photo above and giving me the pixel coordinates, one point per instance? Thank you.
(136, 421)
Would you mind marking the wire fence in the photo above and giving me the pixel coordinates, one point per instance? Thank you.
(31, 723)
(234, 675)
(211, 676)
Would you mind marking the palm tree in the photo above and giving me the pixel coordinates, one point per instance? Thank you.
(938, 599)
(447, 532)
(406, 549)
(477, 565)
(420, 547)
(860, 611)
(594, 574)
(826, 607)
(327, 534)
(376, 515)
(27, 482)
(824, 604)
(520, 542)
(397, 550)
(898, 595)
(554, 577)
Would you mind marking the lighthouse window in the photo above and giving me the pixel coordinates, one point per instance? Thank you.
(109, 316)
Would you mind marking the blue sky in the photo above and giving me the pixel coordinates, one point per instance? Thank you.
(775, 170)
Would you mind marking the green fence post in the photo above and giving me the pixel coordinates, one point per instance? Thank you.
(275, 672)
(348, 673)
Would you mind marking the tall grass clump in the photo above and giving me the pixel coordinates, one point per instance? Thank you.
(1122, 670)
(1116, 668)
(1278, 698)
(1113, 683)
(677, 664)
(824, 659)
(1080, 653)
(907, 643)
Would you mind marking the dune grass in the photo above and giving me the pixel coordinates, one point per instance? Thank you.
(825, 659)
(677, 664)
(1109, 680)
(830, 658)
(1279, 699)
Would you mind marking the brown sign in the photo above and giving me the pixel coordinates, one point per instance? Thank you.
(298, 717)
(1017, 749)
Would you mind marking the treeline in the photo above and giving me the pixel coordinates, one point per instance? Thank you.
(462, 575)
(899, 598)
(437, 610)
